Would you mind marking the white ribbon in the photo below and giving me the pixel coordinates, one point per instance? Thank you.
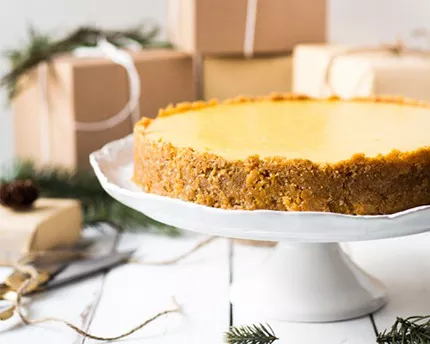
(131, 109)
(250, 22)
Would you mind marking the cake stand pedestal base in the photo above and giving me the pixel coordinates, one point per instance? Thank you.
(307, 282)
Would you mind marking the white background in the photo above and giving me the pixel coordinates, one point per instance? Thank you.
(350, 21)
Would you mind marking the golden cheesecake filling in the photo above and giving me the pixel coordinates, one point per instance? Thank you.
(320, 131)
(289, 153)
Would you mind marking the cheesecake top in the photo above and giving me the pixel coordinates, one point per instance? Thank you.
(323, 131)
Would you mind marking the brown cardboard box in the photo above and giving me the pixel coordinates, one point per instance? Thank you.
(218, 27)
(359, 74)
(90, 90)
(229, 77)
(49, 224)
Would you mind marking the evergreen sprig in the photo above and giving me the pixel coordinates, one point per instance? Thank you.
(250, 334)
(97, 205)
(411, 330)
(42, 48)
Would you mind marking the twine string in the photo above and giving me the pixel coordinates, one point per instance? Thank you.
(177, 259)
(33, 277)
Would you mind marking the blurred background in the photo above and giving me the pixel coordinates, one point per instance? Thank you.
(361, 22)
(61, 15)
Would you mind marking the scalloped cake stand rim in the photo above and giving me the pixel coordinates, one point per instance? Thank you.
(113, 166)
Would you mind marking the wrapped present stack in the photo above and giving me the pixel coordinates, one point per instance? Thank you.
(76, 103)
(245, 45)
(71, 104)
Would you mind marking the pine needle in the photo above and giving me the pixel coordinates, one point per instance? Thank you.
(250, 334)
(412, 330)
(42, 48)
(97, 205)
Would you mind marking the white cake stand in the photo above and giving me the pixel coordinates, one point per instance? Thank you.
(308, 278)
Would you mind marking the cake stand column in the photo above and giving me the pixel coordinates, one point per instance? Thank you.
(308, 282)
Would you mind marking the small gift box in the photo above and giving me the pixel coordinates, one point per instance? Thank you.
(325, 70)
(48, 224)
(244, 26)
(74, 105)
(228, 77)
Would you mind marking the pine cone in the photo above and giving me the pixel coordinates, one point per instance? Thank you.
(18, 194)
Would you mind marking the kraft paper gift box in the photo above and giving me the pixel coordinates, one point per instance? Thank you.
(92, 90)
(49, 224)
(229, 77)
(244, 26)
(326, 70)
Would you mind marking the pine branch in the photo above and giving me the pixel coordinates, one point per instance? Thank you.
(250, 334)
(412, 330)
(97, 205)
(42, 48)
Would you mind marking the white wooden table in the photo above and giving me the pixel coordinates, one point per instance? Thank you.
(111, 303)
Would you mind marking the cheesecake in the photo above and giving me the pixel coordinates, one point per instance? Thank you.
(289, 153)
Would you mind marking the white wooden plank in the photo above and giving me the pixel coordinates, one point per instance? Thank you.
(403, 265)
(358, 331)
(134, 293)
(74, 302)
